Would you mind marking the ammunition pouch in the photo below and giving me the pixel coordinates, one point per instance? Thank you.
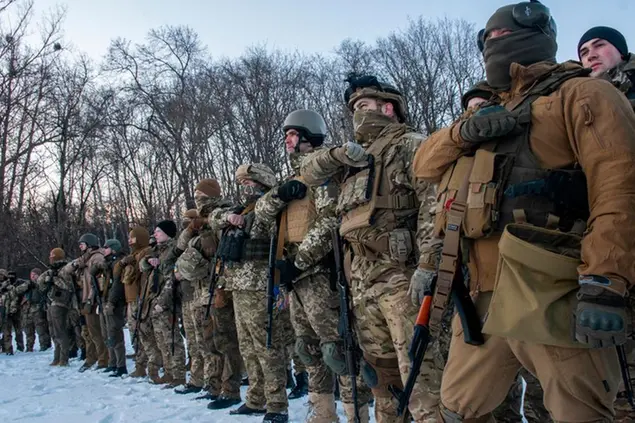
(398, 244)
(192, 265)
(536, 284)
(187, 290)
(256, 249)
(231, 249)
(62, 296)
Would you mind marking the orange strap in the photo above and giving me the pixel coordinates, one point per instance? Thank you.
(282, 228)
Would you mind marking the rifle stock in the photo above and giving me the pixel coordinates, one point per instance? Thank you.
(271, 281)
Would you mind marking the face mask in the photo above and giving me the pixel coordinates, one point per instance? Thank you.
(368, 124)
(250, 194)
(204, 204)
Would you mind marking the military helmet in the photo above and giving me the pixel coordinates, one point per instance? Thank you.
(90, 240)
(309, 124)
(114, 245)
(257, 172)
(368, 86)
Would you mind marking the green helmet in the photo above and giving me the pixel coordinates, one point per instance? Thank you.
(114, 245)
(90, 240)
(309, 124)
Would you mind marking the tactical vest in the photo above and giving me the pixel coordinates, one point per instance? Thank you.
(507, 183)
(371, 190)
(297, 217)
(60, 292)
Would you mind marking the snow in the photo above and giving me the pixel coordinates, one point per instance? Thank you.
(33, 392)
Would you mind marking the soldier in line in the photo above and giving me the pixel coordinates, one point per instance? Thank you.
(247, 241)
(577, 133)
(163, 306)
(59, 289)
(385, 220)
(307, 216)
(138, 241)
(30, 304)
(11, 309)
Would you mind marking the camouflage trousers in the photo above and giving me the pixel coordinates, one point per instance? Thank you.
(225, 340)
(315, 313)
(58, 318)
(141, 358)
(12, 323)
(173, 364)
(385, 317)
(96, 350)
(266, 367)
(206, 363)
(34, 321)
(149, 341)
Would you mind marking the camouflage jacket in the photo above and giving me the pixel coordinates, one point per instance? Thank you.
(623, 78)
(246, 275)
(308, 255)
(322, 166)
(167, 253)
(110, 282)
(54, 279)
(8, 298)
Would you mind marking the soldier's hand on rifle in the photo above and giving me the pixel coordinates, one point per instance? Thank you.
(196, 223)
(602, 315)
(154, 262)
(236, 220)
(158, 308)
(177, 275)
(288, 272)
(421, 283)
(351, 154)
(291, 190)
(488, 123)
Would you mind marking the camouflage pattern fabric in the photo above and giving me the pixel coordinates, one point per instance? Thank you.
(141, 358)
(225, 339)
(58, 316)
(150, 347)
(174, 365)
(28, 315)
(266, 368)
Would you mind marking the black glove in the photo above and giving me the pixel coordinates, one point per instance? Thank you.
(291, 190)
(601, 315)
(488, 123)
(288, 273)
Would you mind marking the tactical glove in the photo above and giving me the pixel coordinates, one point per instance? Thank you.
(291, 190)
(421, 283)
(488, 123)
(351, 154)
(601, 315)
(87, 308)
(288, 273)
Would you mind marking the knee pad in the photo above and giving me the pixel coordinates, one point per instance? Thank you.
(308, 350)
(334, 358)
(380, 374)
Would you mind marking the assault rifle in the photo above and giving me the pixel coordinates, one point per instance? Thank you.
(346, 328)
(472, 334)
(141, 302)
(95, 285)
(271, 282)
(219, 262)
(626, 375)
(174, 300)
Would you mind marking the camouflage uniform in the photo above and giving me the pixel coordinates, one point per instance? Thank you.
(12, 321)
(161, 321)
(33, 315)
(247, 281)
(382, 248)
(207, 361)
(314, 305)
(60, 289)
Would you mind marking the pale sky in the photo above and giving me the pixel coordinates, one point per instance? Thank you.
(228, 27)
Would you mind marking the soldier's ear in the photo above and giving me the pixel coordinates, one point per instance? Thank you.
(388, 109)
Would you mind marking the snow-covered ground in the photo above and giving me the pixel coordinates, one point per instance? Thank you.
(32, 392)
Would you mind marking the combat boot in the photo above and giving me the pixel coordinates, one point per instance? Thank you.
(276, 418)
(364, 414)
(72, 353)
(189, 389)
(85, 367)
(166, 378)
(290, 382)
(223, 402)
(63, 363)
(139, 372)
(245, 410)
(55, 362)
(322, 409)
(119, 371)
(82, 355)
(153, 373)
(301, 386)
(109, 369)
(174, 383)
(29, 349)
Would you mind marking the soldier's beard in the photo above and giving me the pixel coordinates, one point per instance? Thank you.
(368, 124)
